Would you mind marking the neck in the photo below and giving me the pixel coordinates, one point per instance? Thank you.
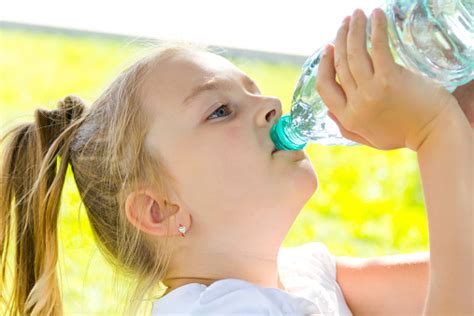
(204, 259)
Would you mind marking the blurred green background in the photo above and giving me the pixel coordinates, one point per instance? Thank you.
(368, 203)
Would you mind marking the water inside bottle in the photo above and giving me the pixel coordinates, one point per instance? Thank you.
(434, 37)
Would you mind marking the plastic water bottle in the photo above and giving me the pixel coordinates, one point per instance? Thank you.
(434, 37)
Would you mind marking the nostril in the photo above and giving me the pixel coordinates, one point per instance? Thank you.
(270, 115)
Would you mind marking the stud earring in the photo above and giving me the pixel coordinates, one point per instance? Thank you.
(182, 230)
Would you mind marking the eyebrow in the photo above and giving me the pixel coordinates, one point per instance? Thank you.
(213, 84)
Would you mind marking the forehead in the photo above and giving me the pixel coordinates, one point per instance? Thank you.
(176, 76)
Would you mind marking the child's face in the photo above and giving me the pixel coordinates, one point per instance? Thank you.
(228, 179)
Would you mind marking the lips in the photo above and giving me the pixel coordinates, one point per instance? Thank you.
(296, 154)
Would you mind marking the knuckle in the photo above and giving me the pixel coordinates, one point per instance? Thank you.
(374, 93)
(370, 96)
(376, 42)
(381, 23)
(354, 31)
(384, 83)
(386, 69)
(352, 55)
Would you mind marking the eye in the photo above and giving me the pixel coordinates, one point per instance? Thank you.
(220, 111)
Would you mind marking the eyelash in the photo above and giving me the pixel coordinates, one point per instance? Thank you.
(220, 107)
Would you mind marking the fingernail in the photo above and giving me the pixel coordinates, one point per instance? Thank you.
(326, 49)
(346, 19)
(374, 14)
(357, 13)
(378, 13)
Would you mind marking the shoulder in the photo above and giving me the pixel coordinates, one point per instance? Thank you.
(227, 296)
(311, 257)
(310, 271)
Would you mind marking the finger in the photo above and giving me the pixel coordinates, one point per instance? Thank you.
(381, 55)
(340, 58)
(465, 96)
(330, 91)
(360, 63)
(348, 134)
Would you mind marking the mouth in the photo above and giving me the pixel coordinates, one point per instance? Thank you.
(299, 154)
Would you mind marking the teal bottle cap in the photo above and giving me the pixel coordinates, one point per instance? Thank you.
(286, 138)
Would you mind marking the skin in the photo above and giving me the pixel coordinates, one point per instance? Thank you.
(465, 96)
(236, 199)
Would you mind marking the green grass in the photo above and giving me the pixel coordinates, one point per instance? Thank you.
(369, 202)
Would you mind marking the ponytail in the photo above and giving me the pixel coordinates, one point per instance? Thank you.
(30, 192)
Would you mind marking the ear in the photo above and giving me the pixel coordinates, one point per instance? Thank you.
(150, 214)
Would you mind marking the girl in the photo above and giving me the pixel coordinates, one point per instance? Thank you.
(182, 186)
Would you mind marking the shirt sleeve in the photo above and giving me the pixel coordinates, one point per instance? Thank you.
(322, 257)
(311, 260)
(310, 270)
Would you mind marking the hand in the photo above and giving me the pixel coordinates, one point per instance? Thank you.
(378, 103)
(465, 96)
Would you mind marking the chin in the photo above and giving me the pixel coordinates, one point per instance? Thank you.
(304, 181)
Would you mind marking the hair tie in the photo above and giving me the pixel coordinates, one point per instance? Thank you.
(52, 123)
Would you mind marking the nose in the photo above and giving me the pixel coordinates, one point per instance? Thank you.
(269, 112)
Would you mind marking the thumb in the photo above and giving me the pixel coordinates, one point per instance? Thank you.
(348, 134)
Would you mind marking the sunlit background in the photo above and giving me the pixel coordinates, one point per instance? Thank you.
(369, 202)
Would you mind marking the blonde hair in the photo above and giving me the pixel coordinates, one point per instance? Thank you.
(104, 145)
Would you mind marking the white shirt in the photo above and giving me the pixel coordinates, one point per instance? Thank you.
(308, 272)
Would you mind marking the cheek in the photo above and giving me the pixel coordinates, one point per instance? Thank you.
(230, 143)
(230, 154)
(225, 162)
